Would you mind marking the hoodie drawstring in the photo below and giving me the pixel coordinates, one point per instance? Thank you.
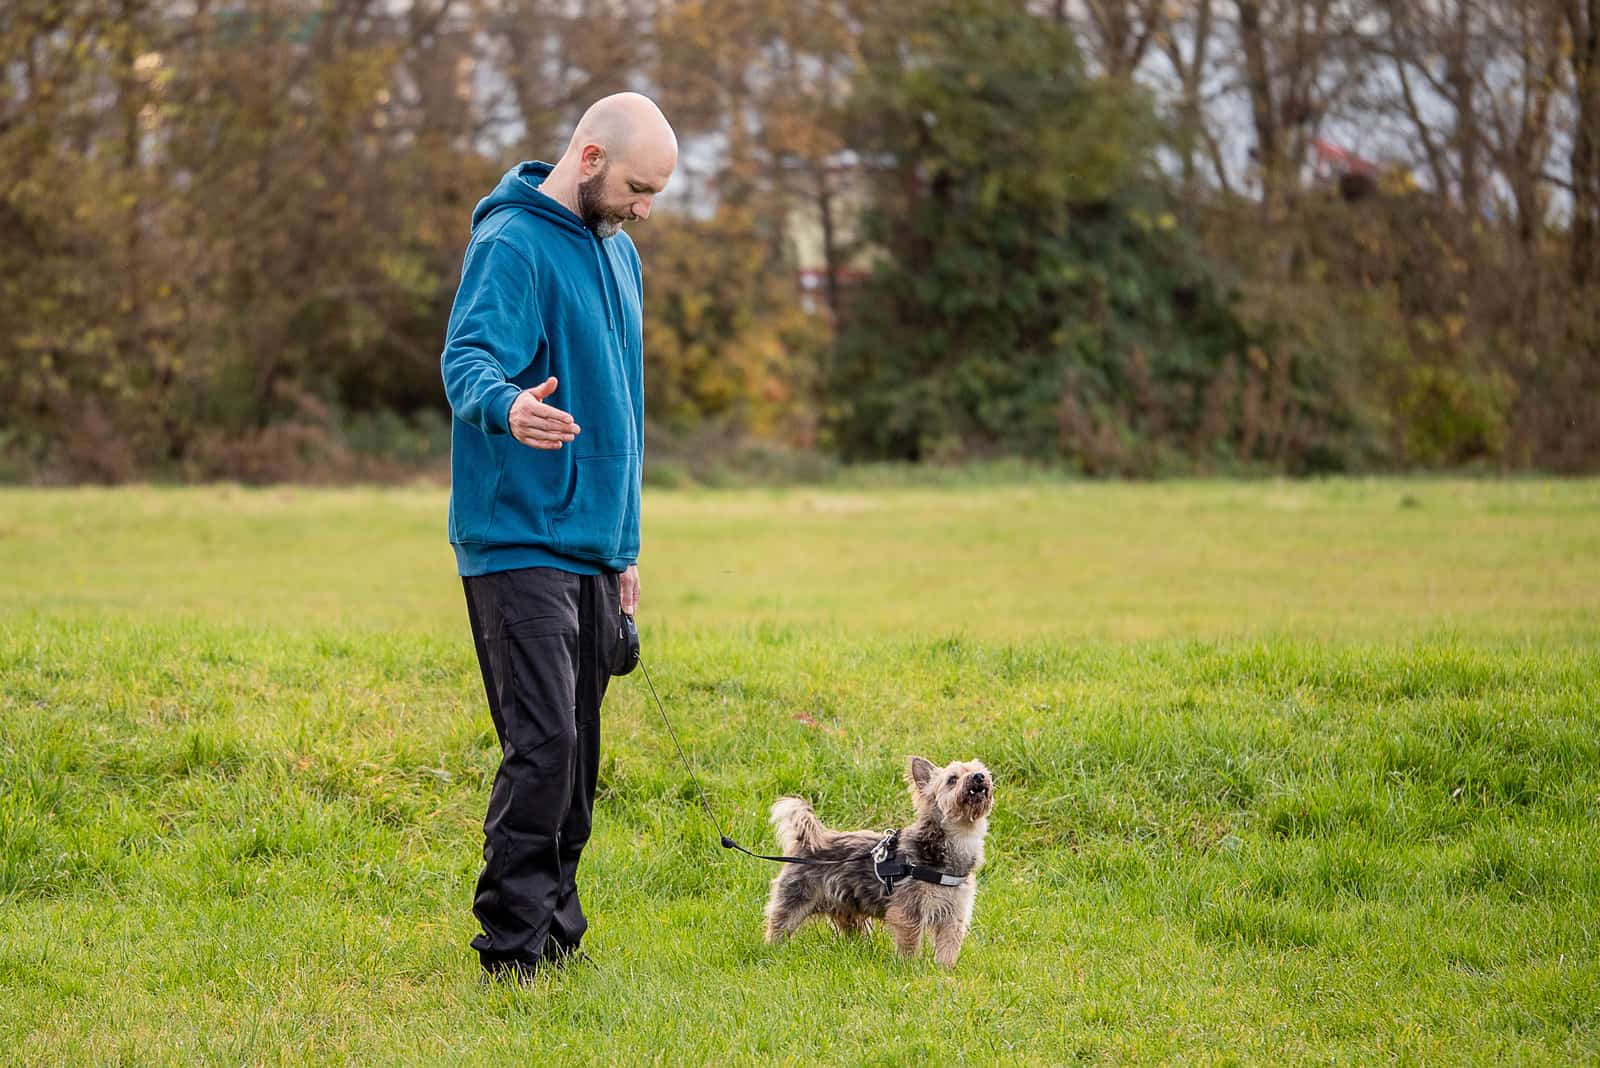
(607, 279)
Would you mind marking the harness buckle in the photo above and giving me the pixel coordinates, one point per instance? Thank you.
(883, 858)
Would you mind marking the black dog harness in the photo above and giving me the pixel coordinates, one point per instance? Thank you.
(890, 867)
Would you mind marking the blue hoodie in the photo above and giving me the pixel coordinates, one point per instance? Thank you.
(541, 295)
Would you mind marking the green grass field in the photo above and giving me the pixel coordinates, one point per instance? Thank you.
(1287, 773)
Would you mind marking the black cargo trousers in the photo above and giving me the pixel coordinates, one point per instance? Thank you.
(545, 638)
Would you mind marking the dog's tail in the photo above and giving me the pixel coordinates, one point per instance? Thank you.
(799, 830)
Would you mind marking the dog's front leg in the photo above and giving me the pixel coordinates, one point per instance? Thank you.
(907, 929)
(947, 939)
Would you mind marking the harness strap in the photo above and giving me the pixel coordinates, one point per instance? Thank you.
(890, 867)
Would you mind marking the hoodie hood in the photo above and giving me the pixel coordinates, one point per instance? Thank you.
(519, 188)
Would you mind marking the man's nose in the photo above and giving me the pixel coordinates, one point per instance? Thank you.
(641, 208)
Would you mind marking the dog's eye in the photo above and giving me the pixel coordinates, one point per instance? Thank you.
(951, 781)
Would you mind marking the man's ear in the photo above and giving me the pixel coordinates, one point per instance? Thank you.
(919, 773)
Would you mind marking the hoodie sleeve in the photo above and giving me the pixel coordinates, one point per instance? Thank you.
(494, 332)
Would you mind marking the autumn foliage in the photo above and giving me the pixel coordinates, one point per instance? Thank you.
(1123, 237)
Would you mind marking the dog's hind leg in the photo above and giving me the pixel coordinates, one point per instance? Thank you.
(788, 907)
(852, 924)
(784, 922)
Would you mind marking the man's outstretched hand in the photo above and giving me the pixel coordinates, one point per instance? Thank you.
(537, 424)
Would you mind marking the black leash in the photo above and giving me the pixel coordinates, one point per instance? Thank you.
(887, 863)
(727, 843)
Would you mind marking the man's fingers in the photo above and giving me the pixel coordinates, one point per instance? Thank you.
(539, 438)
(550, 426)
(538, 425)
(531, 424)
(530, 410)
(544, 415)
(628, 590)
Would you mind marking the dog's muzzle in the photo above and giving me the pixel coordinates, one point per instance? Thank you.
(978, 794)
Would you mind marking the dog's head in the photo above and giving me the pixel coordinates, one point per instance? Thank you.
(962, 792)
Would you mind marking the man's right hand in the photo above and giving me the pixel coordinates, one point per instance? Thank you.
(538, 425)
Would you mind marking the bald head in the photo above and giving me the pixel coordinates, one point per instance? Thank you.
(628, 128)
(621, 155)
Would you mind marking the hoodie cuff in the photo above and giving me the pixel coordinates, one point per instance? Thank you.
(498, 413)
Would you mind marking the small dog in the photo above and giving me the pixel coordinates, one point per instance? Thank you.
(952, 817)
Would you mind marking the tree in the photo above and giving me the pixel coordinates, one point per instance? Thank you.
(1003, 183)
(1583, 51)
(1116, 34)
(728, 351)
(1299, 59)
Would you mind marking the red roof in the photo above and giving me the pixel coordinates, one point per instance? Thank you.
(1342, 159)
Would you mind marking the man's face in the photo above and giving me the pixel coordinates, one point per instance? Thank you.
(620, 193)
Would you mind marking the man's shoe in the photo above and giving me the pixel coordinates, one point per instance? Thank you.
(520, 972)
(561, 956)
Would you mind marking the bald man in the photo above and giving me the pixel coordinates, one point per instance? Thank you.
(543, 368)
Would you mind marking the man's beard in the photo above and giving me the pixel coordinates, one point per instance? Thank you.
(592, 211)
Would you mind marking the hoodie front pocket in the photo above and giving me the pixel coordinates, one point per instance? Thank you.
(590, 526)
(477, 470)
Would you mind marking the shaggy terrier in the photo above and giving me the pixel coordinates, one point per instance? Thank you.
(918, 881)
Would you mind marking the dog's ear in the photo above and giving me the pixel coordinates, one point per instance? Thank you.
(919, 773)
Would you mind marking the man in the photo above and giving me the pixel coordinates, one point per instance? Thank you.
(544, 498)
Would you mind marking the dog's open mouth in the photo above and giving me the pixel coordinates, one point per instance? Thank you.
(977, 797)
